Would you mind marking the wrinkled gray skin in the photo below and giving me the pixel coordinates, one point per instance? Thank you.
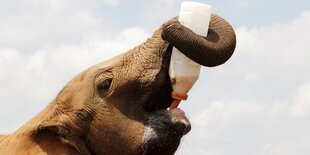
(120, 106)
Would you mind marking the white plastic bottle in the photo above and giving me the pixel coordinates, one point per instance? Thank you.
(183, 71)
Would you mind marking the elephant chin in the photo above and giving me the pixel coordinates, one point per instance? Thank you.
(164, 130)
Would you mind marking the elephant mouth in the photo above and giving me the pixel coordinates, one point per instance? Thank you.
(167, 126)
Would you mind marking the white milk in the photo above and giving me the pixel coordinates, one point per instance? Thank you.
(183, 71)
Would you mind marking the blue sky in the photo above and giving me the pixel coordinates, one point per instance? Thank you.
(258, 103)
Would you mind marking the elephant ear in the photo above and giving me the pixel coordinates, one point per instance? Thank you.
(213, 50)
(63, 134)
(52, 127)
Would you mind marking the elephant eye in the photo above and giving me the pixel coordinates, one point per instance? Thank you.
(105, 85)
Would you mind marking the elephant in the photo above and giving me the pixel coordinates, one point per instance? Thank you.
(120, 106)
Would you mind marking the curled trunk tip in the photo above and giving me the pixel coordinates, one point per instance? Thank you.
(213, 50)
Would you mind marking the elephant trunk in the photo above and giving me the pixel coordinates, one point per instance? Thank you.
(213, 50)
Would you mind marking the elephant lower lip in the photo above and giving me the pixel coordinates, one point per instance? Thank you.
(179, 116)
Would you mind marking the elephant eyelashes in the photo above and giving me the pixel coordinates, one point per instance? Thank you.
(105, 85)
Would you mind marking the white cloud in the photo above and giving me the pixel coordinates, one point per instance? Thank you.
(157, 12)
(111, 2)
(301, 107)
(32, 24)
(296, 145)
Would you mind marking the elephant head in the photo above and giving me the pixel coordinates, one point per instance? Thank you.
(120, 106)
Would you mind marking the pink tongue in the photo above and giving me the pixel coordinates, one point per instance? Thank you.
(178, 113)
